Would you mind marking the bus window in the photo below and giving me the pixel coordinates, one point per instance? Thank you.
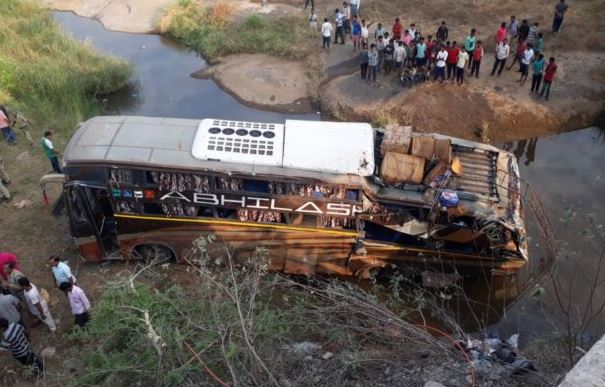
(122, 175)
(152, 209)
(206, 212)
(256, 186)
(229, 184)
(353, 194)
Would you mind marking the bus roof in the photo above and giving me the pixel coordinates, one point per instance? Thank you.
(245, 147)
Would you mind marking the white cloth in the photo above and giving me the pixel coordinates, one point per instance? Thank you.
(441, 58)
(326, 29)
(48, 143)
(33, 297)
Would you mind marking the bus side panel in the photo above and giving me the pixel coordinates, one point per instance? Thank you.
(292, 250)
(89, 248)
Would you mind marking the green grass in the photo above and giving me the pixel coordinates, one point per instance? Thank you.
(214, 35)
(49, 76)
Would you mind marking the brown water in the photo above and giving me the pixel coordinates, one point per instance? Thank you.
(564, 169)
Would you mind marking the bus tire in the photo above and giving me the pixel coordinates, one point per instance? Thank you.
(154, 253)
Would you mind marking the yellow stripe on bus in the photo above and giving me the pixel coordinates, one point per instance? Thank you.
(238, 223)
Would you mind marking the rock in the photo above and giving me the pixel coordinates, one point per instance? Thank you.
(48, 351)
(431, 383)
(308, 358)
(305, 347)
(23, 155)
(327, 355)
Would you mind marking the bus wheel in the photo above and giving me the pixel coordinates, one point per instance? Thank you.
(153, 254)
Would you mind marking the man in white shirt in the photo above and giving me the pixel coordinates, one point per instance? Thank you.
(502, 54)
(326, 33)
(462, 61)
(36, 303)
(528, 56)
(440, 67)
(399, 56)
(339, 20)
(412, 31)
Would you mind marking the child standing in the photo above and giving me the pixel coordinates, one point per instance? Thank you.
(528, 56)
(477, 56)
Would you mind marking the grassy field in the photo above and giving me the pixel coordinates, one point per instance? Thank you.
(211, 32)
(48, 76)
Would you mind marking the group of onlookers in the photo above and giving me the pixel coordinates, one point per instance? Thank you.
(412, 56)
(19, 296)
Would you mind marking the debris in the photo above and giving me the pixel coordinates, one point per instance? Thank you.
(48, 351)
(327, 355)
(449, 199)
(305, 347)
(496, 350)
(23, 203)
(431, 383)
(23, 155)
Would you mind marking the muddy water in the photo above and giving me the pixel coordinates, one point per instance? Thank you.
(565, 169)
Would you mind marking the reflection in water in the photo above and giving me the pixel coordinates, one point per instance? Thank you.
(525, 148)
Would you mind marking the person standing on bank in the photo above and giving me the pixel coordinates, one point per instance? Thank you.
(463, 58)
(78, 302)
(61, 271)
(442, 33)
(477, 56)
(440, 65)
(502, 53)
(339, 20)
(5, 127)
(560, 10)
(538, 70)
(549, 76)
(15, 341)
(326, 33)
(528, 57)
(469, 46)
(50, 151)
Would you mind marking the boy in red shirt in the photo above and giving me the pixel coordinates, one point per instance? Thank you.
(549, 76)
(452, 60)
(477, 56)
(397, 28)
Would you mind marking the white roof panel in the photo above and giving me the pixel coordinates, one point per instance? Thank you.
(239, 142)
(335, 147)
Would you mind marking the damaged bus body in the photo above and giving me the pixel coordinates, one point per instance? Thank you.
(318, 197)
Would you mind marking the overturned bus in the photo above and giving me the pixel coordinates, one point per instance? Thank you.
(318, 197)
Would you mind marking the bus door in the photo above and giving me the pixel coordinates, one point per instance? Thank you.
(91, 220)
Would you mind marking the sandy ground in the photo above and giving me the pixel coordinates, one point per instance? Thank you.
(263, 81)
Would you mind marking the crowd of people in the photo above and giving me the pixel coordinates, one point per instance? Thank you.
(8, 122)
(19, 297)
(414, 57)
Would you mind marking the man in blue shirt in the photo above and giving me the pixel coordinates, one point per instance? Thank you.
(421, 53)
(61, 271)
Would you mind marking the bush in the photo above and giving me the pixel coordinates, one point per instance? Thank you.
(52, 78)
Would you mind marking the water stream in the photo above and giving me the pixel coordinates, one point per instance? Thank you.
(564, 168)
